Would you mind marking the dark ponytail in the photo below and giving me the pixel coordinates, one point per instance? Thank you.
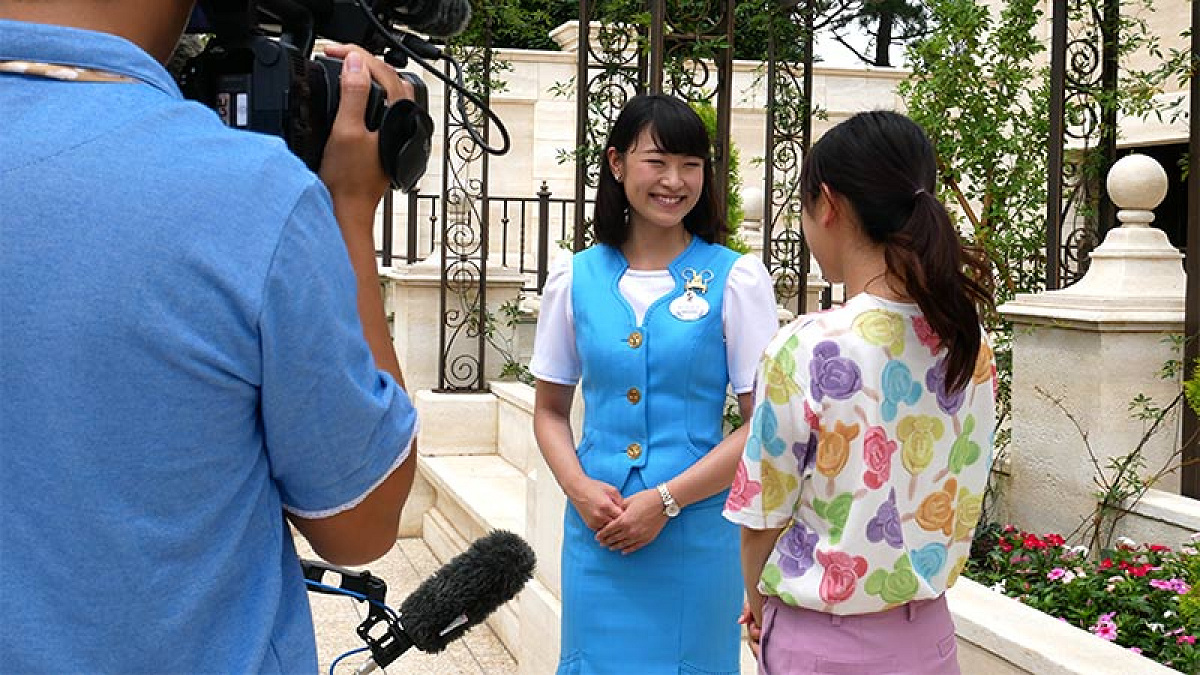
(884, 165)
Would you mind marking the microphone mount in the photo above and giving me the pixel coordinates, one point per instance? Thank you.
(386, 645)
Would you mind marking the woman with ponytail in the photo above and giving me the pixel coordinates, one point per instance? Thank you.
(861, 482)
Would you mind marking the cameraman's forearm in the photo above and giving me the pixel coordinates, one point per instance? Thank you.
(357, 231)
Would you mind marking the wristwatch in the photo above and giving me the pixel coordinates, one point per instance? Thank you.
(670, 508)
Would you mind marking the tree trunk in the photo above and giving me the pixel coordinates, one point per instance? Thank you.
(883, 38)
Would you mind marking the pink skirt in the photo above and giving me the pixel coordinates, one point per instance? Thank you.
(913, 639)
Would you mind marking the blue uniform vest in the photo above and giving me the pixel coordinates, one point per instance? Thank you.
(653, 395)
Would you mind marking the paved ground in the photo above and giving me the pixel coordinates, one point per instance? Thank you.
(409, 563)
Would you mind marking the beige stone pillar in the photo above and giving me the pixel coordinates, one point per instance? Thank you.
(412, 299)
(1094, 346)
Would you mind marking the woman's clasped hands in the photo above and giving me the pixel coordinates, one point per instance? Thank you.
(637, 525)
(620, 523)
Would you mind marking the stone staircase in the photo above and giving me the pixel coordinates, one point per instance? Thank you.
(478, 471)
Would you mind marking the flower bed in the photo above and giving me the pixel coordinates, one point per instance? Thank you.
(1144, 598)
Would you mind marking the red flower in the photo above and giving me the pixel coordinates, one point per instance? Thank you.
(1005, 546)
(1055, 540)
(1159, 548)
(1032, 542)
(1107, 563)
(1138, 570)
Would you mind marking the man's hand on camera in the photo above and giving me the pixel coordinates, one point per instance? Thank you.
(350, 167)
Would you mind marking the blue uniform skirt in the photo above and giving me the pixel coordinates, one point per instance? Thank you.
(670, 607)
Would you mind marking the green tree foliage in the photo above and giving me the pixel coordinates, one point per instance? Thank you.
(976, 92)
(519, 24)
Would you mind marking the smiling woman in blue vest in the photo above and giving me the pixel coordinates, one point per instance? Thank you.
(657, 320)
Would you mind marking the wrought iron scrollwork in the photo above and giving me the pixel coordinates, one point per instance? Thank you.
(464, 238)
(1089, 69)
(789, 132)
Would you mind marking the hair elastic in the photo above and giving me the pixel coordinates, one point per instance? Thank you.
(919, 192)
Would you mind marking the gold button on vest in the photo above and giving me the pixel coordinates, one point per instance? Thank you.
(633, 395)
(634, 450)
(635, 339)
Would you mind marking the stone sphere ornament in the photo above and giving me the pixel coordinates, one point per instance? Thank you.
(1137, 183)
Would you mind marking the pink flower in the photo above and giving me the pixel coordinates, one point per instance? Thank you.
(1136, 650)
(1056, 574)
(1174, 585)
(1190, 639)
(743, 490)
(842, 572)
(1105, 628)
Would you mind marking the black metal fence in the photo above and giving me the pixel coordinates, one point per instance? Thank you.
(525, 231)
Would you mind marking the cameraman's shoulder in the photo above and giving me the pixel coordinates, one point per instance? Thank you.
(238, 166)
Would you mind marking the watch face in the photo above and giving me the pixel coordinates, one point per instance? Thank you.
(672, 510)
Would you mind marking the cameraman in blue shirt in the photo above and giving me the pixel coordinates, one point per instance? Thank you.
(194, 352)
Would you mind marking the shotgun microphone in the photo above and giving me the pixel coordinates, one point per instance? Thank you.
(460, 595)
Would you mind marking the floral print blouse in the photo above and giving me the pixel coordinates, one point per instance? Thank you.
(856, 447)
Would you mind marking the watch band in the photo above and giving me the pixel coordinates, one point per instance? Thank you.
(670, 507)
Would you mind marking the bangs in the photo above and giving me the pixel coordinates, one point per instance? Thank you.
(678, 130)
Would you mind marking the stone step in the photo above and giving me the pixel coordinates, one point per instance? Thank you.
(477, 493)
(473, 495)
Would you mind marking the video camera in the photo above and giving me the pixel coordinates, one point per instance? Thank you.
(257, 71)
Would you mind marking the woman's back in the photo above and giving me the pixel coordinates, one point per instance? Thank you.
(887, 466)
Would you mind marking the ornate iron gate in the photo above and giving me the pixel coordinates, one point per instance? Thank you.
(789, 136)
(1083, 112)
(622, 60)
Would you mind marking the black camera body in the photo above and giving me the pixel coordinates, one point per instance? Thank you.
(273, 84)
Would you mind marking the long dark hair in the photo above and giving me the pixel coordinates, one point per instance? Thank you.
(677, 130)
(884, 165)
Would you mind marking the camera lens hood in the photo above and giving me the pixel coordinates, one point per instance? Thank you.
(404, 143)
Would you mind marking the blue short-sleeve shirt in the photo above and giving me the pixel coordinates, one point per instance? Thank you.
(181, 361)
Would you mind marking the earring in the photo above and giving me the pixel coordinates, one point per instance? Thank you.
(617, 176)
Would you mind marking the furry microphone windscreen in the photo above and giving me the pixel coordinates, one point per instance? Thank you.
(466, 590)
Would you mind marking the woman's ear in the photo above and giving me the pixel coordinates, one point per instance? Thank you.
(836, 207)
(614, 163)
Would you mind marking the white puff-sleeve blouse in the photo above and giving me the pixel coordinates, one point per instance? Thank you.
(749, 318)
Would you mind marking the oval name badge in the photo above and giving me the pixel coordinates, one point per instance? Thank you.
(689, 307)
